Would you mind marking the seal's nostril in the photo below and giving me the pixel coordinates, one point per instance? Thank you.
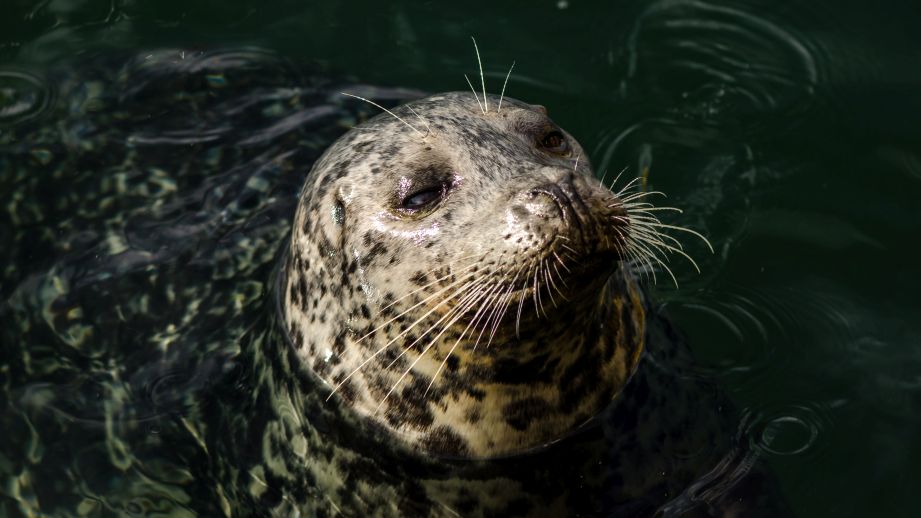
(547, 201)
(542, 205)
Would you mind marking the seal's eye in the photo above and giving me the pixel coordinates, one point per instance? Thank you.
(554, 142)
(423, 199)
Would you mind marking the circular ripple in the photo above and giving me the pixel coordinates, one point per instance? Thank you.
(739, 330)
(785, 431)
(22, 96)
(719, 62)
(787, 435)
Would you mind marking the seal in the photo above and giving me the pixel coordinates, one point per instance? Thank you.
(464, 284)
(222, 303)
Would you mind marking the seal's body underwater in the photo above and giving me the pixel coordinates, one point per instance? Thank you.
(451, 327)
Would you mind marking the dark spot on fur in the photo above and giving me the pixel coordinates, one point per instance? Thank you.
(320, 367)
(419, 278)
(579, 379)
(445, 441)
(345, 391)
(408, 407)
(476, 393)
(539, 369)
(339, 344)
(519, 414)
(375, 251)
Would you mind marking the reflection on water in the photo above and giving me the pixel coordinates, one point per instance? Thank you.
(782, 131)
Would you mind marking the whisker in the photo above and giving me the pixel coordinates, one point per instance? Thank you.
(524, 284)
(471, 292)
(567, 247)
(551, 282)
(439, 279)
(475, 96)
(649, 208)
(616, 178)
(487, 307)
(654, 257)
(655, 234)
(489, 303)
(407, 330)
(457, 314)
(640, 194)
(625, 188)
(410, 126)
(428, 129)
(561, 279)
(653, 240)
(562, 263)
(482, 77)
(639, 257)
(423, 301)
(499, 110)
(501, 314)
(451, 351)
(494, 303)
(683, 229)
(537, 296)
(505, 303)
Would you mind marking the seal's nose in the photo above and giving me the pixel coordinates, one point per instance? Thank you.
(548, 201)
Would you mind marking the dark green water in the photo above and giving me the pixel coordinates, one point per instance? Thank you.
(788, 132)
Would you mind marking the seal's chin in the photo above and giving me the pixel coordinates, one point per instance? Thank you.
(592, 271)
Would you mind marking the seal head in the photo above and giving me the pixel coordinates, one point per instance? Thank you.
(457, 276)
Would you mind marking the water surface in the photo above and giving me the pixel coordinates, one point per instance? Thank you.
(786, 131)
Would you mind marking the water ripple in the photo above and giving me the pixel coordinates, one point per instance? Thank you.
(23, 96)
(706, 88)
(742, 327)
(715, 60)
(785, 430)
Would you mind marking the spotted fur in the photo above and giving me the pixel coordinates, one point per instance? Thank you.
(506, 203)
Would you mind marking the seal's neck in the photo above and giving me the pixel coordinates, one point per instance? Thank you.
(451, 394)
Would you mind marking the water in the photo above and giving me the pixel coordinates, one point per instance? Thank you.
(786, 132)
